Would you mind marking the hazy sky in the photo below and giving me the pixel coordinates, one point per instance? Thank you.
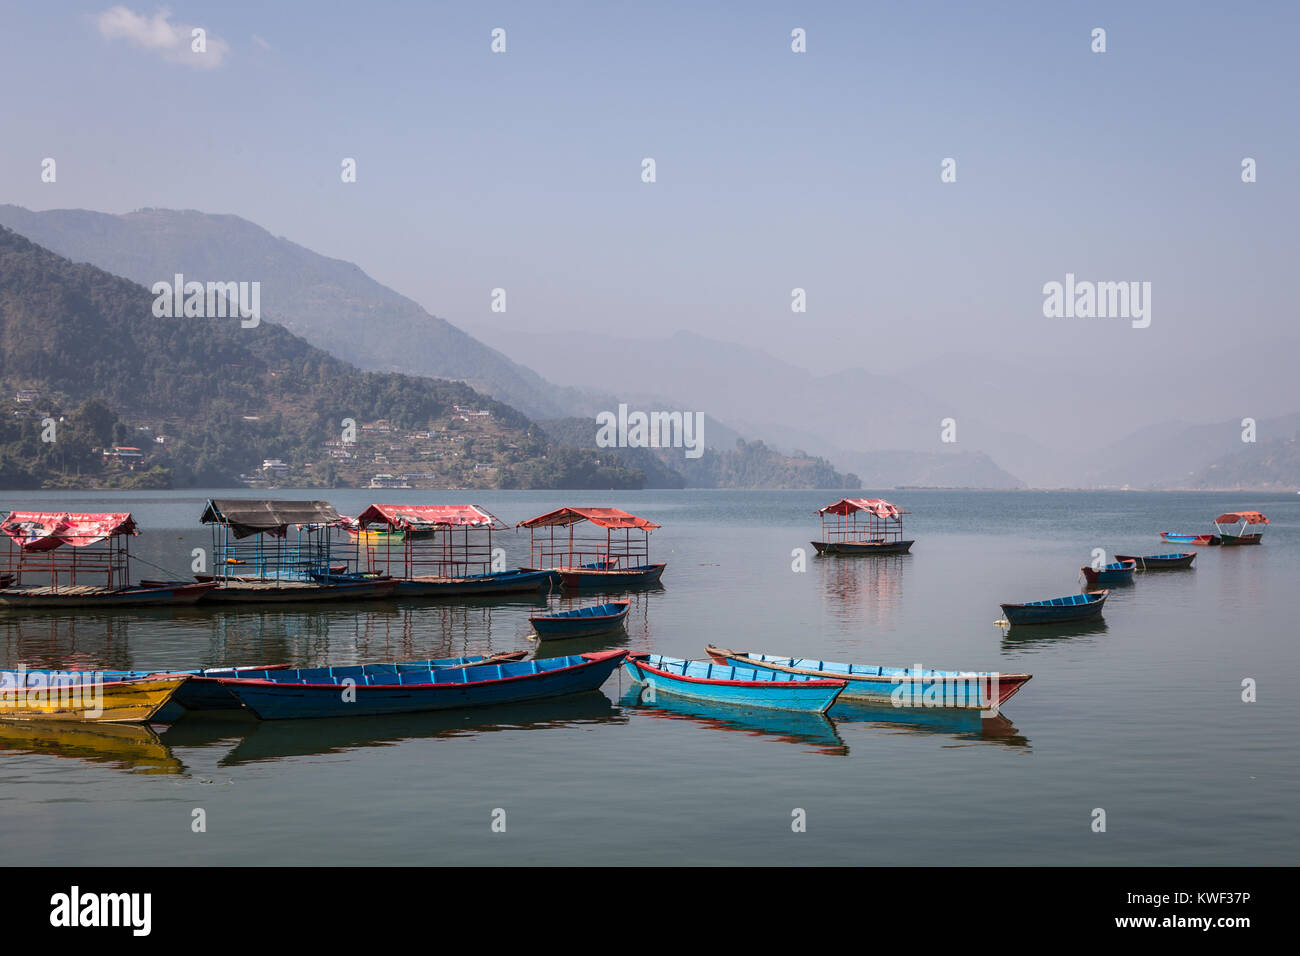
(775, 170)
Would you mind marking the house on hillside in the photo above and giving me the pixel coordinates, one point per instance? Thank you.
(127, 455)
(123, 451)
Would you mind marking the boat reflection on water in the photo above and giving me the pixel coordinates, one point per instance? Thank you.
(134, 748)
(278, 739)
(160, 639)
(1030, 637)
(796, 727)
(175, 638)
(868, 588)
(822, 732)
(568, 646)
(963, 724)
(482, 625)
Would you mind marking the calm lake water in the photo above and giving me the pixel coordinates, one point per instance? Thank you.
(1140, 715)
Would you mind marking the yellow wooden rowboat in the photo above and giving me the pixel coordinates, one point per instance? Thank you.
(121, 700)
(377, 537)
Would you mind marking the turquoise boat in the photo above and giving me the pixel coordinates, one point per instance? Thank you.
(728, 684)
(900, 686)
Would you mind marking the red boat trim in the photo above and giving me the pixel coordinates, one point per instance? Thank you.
(595, 657)
(637, 570)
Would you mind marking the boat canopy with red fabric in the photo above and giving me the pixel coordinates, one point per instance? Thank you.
(875, 506)
(1237, 517)
(422, 517)
(47, 530)
(610, 518)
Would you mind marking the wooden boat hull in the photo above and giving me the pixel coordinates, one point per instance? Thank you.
(1109, 575)
(1197, 539)
(1077, 607)
(204, 690)
(898, 686)
(505, 582)
(152, 594)
(201, 692)
(249, 591)
(477, 686)
(1160, 562)
(550, 627)
(735, 686)
(377, 537)
(1230, 540)
(614, 579)
(863, 547)
(107, 701)
(332, 673)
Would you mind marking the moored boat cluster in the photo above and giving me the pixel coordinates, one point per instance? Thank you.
(1244, 527)
(280, 551)
(274, 552)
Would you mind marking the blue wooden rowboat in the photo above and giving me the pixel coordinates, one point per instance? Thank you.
(1074, 607)
(728, 684)
(500, 582)
(1175, 538)
(204, 691)
(582, 621)
(414, 691)
(900, 686)
(1160, 562)
(1118, 572)
(332, 673)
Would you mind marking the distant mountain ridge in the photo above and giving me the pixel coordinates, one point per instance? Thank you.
(228, 398)
(745, 464)
(332, 304)
(869, 423)
(885, 427)
(879, 421)
(1272, 465)
(1178, 454)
